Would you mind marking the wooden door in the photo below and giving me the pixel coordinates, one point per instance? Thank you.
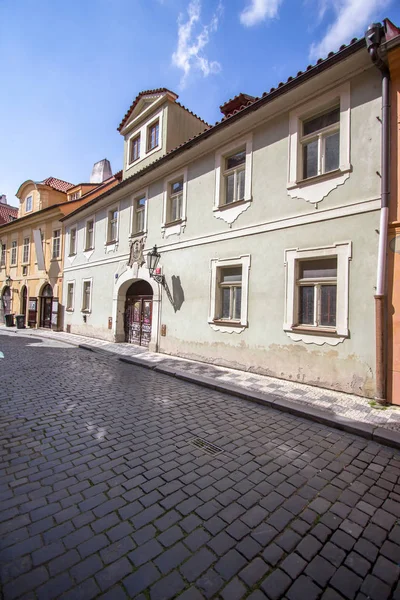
(45, 317)
(138, 317)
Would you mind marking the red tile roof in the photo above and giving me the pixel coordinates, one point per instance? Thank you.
(57, 184)
(138, 97)
(7, 213)
(236, 102)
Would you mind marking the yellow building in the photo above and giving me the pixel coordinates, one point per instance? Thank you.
(32, 248)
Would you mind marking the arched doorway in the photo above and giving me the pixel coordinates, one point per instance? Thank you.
(5, 302)
(46, 300)
(138, 313)
(24, 300)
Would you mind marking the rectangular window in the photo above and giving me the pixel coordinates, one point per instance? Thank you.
(28, 204)
(235, 176)
(153, 135)
(86, 296)
(134, 149)
(112, 225)
(72, 241)
(25, 251)
(320, 143)
(316, 283)
(230, 284)
(75, 195)
(14, 251)
(70, 296)
(175, 200)
(139, 216)
(3, 255)
(56, 244)
(89, 243)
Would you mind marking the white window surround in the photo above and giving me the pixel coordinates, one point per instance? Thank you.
(29, 206)
(87, 252)
(309, 334)
(178, 227)
(72, 307)
(136, 196)
(221, 263)
(230, 212)
(317, 188)
(14, 253)
(26, 255)
(112, 245)
(89, 309)
(143, 132)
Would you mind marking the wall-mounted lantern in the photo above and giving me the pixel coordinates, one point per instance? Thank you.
(153, 258)
(8, 281)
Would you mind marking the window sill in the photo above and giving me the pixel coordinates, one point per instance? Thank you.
(314, 335)
(230, 212)
(227, 323)
(89, 249)
(227, 326)
(71, 254)
(85, 311)
(172, 223)
(137, 234)
(57, 259)
(70, 310)
(315, 189)
(110, 243)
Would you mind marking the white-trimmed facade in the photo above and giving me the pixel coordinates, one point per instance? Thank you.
(280, 221)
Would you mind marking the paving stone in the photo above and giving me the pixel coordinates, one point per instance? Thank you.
(303, 588)
(119, 548)
(25, 583)
(273, 554)
(141, 579)
(254, 571)
(374, 588)
(167, 587)
(86, 568)
(92, 545)
(195, 566)
(198, 537)
(309, 547)
(293, 565)
(172, 558)
(320, 570)
(85, 591)
(235, 590)
(230, 564)
(210, 583)
(358, 564)
(386, 570)
(221, 543)
(346, 582)
(113, 573)
(333, 553)
(276, 584)
(249, 547)
(55, 587)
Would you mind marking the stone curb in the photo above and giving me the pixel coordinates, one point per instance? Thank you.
(381, 435)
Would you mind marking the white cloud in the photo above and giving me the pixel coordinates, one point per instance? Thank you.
(352, 17)
(189, 52)
(259, 10)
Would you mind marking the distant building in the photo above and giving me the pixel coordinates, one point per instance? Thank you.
(7, 213)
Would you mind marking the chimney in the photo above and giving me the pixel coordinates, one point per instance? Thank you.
(3, 199)
(101, 171)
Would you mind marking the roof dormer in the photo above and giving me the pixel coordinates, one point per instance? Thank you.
(155, 124)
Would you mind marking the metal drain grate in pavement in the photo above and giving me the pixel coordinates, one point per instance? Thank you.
(206, 446)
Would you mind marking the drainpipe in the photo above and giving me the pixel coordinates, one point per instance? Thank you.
(373, 37)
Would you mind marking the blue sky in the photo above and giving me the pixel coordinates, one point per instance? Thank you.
(70, 70)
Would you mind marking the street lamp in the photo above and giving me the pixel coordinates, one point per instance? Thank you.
(8, 281)
(153, 258)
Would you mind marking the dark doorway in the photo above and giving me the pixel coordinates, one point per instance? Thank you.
(24, 300)
(138, 313)
(46, 301)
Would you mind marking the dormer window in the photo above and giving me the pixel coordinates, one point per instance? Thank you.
(153, 131)
(75, 195)
(134, 149)
(28, 204)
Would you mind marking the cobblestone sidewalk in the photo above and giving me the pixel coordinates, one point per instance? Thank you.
(351, 407)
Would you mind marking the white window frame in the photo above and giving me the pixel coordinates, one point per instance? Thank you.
(176, 227)
(72, 307)
(74, 228)
(230, 212)
(138, 196)
(87, 248)
(142, 130)
(216, 323)
(75, 195)
(131, 140)
(27, 210)
(314, 189)
(110, 241)
(28, 245)
(52, 244)
(3, 255)
(311, 334)
(88, 280)
(14, 254)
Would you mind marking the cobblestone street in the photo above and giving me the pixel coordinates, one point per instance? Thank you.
(103, 493)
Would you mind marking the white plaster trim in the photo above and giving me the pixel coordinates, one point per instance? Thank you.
(87, 254)
(89, 310)
(166, 229)
(320, 215)
(143, 193)
(315, 339)
(229, 215)
(141, 114)
(143, 132)
(343, 251)
(223, 329)
(218, 263)
(67, 283)
(319, 187)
